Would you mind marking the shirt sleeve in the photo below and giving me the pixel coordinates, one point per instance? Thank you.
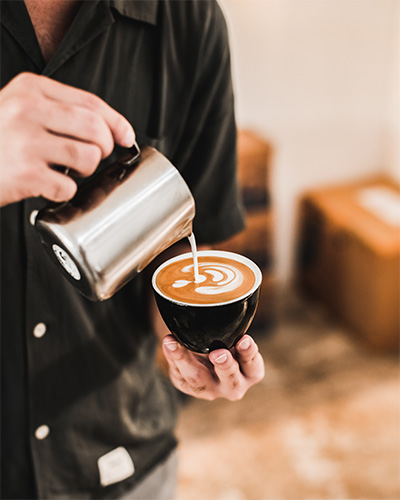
(210, 159)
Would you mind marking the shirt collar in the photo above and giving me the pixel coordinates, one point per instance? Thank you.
(141, 10)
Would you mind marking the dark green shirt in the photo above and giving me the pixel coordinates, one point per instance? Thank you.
(79, 378)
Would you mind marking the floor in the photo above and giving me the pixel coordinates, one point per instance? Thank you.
(323, 424)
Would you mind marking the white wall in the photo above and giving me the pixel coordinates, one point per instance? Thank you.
(320, 80)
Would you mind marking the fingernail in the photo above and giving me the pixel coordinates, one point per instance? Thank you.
(129, 139)
(221, 359)
(244, 344)
(171, 346)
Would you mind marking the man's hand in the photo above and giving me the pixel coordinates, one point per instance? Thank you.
(223, 374)
(44, 123)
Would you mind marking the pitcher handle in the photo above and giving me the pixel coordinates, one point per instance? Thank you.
(131, 156)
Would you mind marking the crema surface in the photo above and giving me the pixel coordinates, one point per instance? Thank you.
(221, 279)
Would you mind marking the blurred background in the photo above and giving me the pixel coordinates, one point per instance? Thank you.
(317, 85)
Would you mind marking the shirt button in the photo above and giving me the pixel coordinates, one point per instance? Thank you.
(32, 217)
(39, 330)
(42, 432)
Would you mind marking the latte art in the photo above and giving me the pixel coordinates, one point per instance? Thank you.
(213, 278)
(220, 279)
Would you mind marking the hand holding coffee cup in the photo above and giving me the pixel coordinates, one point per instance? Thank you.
(213, 309)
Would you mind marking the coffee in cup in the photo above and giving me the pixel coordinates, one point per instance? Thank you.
(212, 309)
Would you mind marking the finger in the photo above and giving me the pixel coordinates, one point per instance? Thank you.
(169, 346)
(173, 353)
(56, 186)
(80, 123)
(228, 372)
(82, 157)
(186, 368)
(121, 129)
(249, 358)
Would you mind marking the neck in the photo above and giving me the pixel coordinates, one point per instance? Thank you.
(51, 20)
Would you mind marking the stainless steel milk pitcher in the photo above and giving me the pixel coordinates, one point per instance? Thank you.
(118, 222)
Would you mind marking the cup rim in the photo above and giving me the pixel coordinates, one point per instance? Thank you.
(234, 256)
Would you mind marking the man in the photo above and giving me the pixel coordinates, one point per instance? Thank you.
(85, 411)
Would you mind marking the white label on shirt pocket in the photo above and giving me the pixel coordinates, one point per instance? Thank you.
(115, 466)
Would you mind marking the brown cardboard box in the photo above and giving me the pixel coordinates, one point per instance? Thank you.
(255, 241)
(349, 257)
(254, 159)
(265, 317)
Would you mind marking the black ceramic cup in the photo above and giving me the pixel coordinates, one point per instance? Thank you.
(205, 327)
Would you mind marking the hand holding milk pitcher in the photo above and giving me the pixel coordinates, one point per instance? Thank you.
(125, 216)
